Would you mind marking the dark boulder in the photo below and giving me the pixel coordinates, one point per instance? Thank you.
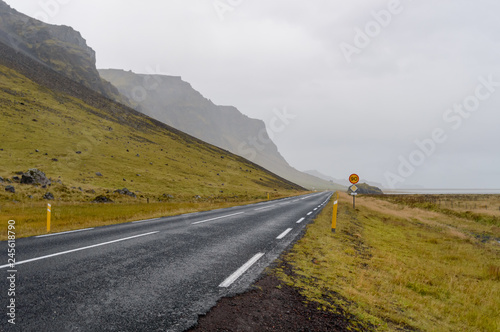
(10, 189)
(48, 196)
(35, 176)
(102, 199)
(125, 191)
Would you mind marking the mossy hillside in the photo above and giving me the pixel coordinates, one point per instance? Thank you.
(76, 141)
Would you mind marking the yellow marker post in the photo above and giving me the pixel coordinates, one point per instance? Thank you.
(48, 217)
(334, 215)
(267, 196)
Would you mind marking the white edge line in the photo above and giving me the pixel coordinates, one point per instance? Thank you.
(229, 215)
(300, 220)
(309, 213)
(232, 278)
(61, 233)
(78, 249)
(282, 235)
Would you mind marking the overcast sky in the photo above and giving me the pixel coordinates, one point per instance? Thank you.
(400, 92)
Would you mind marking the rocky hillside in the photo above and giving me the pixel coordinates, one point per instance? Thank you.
(86, 143)
(60, 48)
(173, 101)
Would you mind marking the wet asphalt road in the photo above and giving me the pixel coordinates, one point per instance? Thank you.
(152, 275)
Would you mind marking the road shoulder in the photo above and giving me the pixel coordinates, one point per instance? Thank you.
(271, 305)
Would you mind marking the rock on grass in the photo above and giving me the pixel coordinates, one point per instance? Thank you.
(35, 176)
(48, 196)
(102, 199)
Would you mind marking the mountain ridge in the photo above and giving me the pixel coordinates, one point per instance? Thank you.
(58, 47)
(173, 101)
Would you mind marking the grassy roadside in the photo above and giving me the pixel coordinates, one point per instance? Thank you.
(31, 218)
(400, 268)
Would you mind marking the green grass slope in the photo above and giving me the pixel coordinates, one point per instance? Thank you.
(72, 141)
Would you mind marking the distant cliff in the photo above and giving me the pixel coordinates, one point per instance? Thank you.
(61, 48)
(173, 101)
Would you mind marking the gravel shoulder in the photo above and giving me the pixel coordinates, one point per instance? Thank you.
(271, 305)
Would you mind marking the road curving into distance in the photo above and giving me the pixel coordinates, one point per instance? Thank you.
(149, 275)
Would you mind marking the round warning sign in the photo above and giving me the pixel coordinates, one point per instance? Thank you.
(354, 178)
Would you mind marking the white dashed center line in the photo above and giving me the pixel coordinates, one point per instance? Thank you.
(238, 273)
(229, 215)
(282, 235)
(265, 207)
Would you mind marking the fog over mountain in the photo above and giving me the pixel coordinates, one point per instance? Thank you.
(400, 92)
(57, 123)
(174, 102)
(165, 98)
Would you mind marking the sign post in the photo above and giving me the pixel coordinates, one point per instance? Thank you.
(354, 178)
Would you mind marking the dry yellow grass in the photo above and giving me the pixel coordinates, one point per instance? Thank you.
(400, 268)
(482, 204)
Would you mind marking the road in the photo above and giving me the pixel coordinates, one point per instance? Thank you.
(149, 275)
